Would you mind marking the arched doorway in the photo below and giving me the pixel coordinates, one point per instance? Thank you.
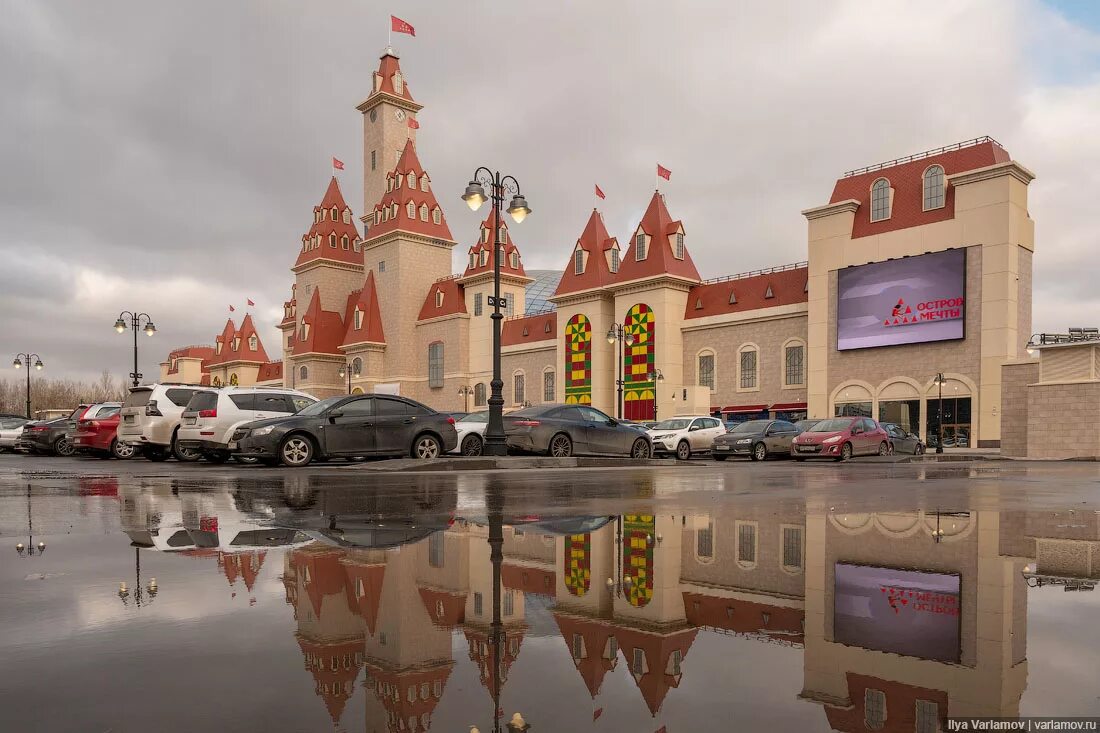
(578, 360)
(639, 396)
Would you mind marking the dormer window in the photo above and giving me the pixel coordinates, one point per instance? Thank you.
(485, 235)
(316, 216)
(933, 188)
(423, 212)
(393, 214)
(358, 318)
(218, 348)
(438, 298)
(411, 178)
(473, 260)
(639, 247)
(345, 242)
(546, 327)
(335, 214)
(398, 83)
(769, 293)
(679, 245)
(484, 257)
(698, 304)
(236, 343)
(502, 236)
(525, 331)
(355, 245)
(424, 183)
(347, 216)
(253, 342)
(410, 209)
(514, 260)
(578, 262)
(332, 241)
(733, 298)
(615, 259)
(437, 215)
(305, 332)
(324, 214)
(880, 200)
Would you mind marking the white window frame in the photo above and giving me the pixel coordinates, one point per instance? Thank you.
(615, 259)
(438, 298)
(713, 370)
(553, 384)
(783, 365)
(875, 192)
(578, 261)
(747, 564)
(679, 249)
(792, 569)
(424, 213)
(522, 377)
(744, 348)
(410, 210)
(437, 216)
(641, 246)
(877, 723)
(942, 198)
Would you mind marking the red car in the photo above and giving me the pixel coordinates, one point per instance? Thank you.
(840, 438)
(95, 432)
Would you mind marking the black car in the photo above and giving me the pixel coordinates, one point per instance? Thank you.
(756, 439)
(565, 430)
(46, 436)
(901, 440)
(348, 427)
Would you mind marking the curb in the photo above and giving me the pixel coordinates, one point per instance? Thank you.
(501, 464)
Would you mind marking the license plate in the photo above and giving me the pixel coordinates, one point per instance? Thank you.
(721, 447)
(189, 421)
(233, 446)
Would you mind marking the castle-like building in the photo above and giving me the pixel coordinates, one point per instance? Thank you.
(381, 303)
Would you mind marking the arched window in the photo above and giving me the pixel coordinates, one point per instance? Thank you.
(423, 212)
(410, 209)
(747, 368)
(479, 394)
(356, 366)
(332, 241)
(706, 369)
(519, 392)
(794, 363)
(233, 380)
(880, 200)
(438, 298)
(933, 187)
(303, 372)
(253, 342)
(344, 242)
(217, 382)
(549, 385)
(347, 216)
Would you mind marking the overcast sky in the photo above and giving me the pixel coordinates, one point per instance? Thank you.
(166, 156)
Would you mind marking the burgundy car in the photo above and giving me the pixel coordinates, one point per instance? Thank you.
(840, 438)
(95, 432)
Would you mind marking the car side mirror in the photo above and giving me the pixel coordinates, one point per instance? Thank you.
(693, 428)
(612, 422)
(335, 414)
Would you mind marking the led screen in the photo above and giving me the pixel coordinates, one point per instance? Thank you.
(908, 301)
(901, 611)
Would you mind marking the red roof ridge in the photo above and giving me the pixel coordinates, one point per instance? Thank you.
(370, 329)
(753, 273)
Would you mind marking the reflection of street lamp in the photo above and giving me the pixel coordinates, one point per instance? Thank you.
(28, 550)
(937, 533)
(939, 380)
(620, 334)
(655, 376)
(465, 391)
(140, 592)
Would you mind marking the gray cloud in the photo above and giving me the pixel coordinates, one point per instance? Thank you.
(167, 156)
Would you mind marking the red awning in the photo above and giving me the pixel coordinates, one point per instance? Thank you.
(744, 408)
(789, 406)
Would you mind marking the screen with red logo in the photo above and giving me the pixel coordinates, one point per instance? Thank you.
(901, 611)
(913, 300)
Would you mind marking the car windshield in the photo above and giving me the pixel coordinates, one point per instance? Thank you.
(752, 426)
(532, 411)
(832, 426)
(806, 424)
(476, 417)
(137, 397)
(318, 407)
(672, 425)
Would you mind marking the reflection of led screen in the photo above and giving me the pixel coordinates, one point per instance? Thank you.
(908, 301)
(901, 611)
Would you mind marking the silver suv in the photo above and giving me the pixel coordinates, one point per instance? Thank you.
(213, 414)
(151, 417)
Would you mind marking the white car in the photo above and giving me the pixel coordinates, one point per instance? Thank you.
(685, 435)
(471, 433)
(151, 417)
(212, 415)
(10, 430)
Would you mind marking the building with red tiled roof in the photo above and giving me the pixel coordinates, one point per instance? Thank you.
(188, 364)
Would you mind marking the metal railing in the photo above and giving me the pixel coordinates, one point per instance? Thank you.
(1075, 335)
(922, 155)
(529, 314)
(754, 273)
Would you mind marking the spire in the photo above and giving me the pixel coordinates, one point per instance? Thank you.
(366, 327)
(389, 79)
(223, 342)
(321, 330)
(599, 262)
(661, 237)
(245, 344)
(333, 235)
(481, 253)
(409, 185)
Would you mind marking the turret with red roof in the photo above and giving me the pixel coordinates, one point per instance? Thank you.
(657, 247)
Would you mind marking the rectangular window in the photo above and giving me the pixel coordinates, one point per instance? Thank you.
(373, 159)
(792, 548)
(510, 304)
(748, 370)
(508, 603)
(704, 542)
(578, 646)
(518, 389)
(795, 365)
(706, 371)
(614, 259)
(478, 608)
(549, 388)
(746, 544)
(477, 304)
(435, 365)
(928, 717)
(874, 709)
(637, 662)
(639, 247)
(436, 549)
(381, 266)
(677, 658)
(679, 246)
(578, 262)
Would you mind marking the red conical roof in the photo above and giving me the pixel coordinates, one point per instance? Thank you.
(482, 654)
(334, 666)
(364, 589)
(239, 347)
(389, 66)
(223, 341)
(370, 321)
(594, 635)
(331, 238)
(244, 565)
(596, 243)
(658, 647)
(325, 332)
(481, 254)
(660, 259)
(392, 688)
(392, 212)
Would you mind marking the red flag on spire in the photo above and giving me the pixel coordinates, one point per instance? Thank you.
(413, 124)
(337, 164)
(596, 715)
(663, 172)
(231, 309)
(599, 192)
(399, 26)
(250, 302)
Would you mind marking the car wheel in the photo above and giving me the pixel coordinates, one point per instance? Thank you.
(640, 449)
(720, 456)
(883, 449)
(296, 451)
(845, 452)
(121, 450)
(759, 452)
(156, 455)
(561, 446)
(217, 456)
(246, 460)
(918, 449)
(63, 447)
(184, 455)
(471, 445)
(683, 451)
(426, 447)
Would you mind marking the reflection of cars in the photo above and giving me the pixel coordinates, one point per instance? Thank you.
(901, 440)
(46, 436)
(151, 417)
(471, 432)
(96, 432)
(10, 430)
(210, 418)
(565, 430)
(841, 438)
(360, 425)
(756, 439)
(686, 435)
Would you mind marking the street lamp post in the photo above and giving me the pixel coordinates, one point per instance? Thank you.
(939, 420)
(345, 371)
(465, 391)
(135, 324)
(620, 334)
(655, 376)
(474, 197)
(30, 549)
(22, 360)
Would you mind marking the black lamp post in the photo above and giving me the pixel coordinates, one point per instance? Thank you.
(619, 334)
(135, 324)
(345, 371)
(939, 428)
(465, 391)
(474, 197)
(22, 360)
(655, 376)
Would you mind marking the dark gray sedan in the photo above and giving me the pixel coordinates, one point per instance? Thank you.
(901, 440)
(46, 436)
(756, 439)
(565, 430)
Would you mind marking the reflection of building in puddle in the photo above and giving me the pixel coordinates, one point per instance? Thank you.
(1065, 547)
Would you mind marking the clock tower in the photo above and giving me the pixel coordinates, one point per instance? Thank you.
(387, 112)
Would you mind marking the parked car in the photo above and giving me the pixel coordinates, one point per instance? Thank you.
(565, 430)
(685, 435)
(213, 415)
(96, 432)
(840, 438)
(349, 427)
(10, 430)
(151, 418)
(471, 433)
(46, 436)
(756, 439)
(902, 441)
(804, 425)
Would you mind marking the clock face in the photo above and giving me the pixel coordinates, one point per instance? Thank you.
(373, 115)
(399, 114)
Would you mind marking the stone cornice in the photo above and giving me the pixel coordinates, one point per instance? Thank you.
(315, 355)
(840, 207)
(544, 345)
(504, 277)
(437, 319)
(377, 98)
(651, 282)
(363, 346)
(324, 262)
(582, 296)
(405, 234)
(792, 310)
(1010, 168)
